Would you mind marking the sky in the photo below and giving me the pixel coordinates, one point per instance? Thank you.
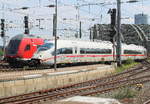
(70, 13)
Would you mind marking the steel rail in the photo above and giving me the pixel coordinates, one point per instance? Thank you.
(89, 86)
(83, 91)
(147, 102)
(104, 79)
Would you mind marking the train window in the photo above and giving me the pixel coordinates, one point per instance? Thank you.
(38, 46)
(66, 51)
(13, 46)
(58, 51)
(82, 51)
(63, 51)
(95, 51)
(132, 52)
(104, 51)
(27, 47)
(108, 51)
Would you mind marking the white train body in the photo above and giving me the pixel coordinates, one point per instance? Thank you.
(72, 51)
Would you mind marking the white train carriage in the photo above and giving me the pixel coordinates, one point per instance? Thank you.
(133, 52)
(72, 51)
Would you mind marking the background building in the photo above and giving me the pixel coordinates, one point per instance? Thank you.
(129, 34)
(141, 19)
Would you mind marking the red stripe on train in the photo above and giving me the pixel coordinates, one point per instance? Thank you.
(90, 56)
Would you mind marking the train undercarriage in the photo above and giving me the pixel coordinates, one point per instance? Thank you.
(16, 63)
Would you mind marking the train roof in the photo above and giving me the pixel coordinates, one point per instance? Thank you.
(20, 36)
(91, 44)
(133, 47)
(81, 43)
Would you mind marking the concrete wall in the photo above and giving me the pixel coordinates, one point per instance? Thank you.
(16, 87)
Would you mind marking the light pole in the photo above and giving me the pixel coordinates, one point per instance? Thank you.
(55, 29)
(119, 49)
(118, 32)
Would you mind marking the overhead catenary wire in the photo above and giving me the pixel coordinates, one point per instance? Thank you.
(84, 3)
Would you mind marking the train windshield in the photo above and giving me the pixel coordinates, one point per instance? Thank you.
(13, 46)
(45, 46)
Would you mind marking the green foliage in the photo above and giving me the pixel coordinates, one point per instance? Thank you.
(129, 61)
(125, 93)
(128, 64)
(148, 59)
(1, 53)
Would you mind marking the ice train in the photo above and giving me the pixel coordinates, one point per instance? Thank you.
(72, 51)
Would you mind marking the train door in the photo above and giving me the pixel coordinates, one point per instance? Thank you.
(25, 47)
(75, 51)
(27, 51)
(78, 50)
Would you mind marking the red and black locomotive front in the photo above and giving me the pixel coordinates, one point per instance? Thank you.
(21, 49)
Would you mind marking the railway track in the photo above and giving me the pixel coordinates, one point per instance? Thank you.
(147, 102)
(5, 67)
(21, 74)
(101, 85)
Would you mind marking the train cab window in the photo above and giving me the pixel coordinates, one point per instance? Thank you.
(13, 46)
(27, 47)
(45, 46)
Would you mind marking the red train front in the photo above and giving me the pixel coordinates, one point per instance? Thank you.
(21, 48)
